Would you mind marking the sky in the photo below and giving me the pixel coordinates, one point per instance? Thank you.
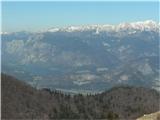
(37, 16)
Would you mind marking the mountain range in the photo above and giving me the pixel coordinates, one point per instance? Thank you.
(85, 59)
(148, 25)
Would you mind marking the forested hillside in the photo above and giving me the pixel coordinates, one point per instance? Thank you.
(21, 101)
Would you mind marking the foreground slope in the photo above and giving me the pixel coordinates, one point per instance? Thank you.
(152, 116)
(20, 101)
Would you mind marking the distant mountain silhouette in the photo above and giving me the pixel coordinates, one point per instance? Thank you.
(21, 101)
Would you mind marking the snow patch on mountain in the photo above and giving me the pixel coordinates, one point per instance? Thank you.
(145, 69)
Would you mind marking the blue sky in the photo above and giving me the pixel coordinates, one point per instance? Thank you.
(36, 16)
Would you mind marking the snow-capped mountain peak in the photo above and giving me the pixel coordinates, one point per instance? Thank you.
(148, 25)
(145, 25)
(53, 30)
